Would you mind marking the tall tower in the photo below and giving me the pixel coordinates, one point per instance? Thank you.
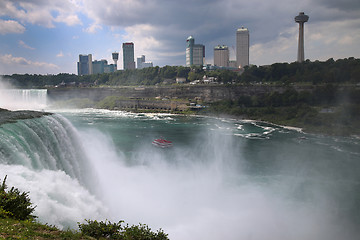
(190, 42)
(301, 19)
(242, 47)
(115, 57)
(128, 55)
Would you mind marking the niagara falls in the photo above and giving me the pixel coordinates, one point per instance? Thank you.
(223, 178)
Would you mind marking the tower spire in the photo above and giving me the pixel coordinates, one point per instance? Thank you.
(301, 19)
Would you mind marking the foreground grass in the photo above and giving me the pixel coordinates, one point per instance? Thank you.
(16, 229)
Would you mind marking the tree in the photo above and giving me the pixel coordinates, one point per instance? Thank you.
(15, 204)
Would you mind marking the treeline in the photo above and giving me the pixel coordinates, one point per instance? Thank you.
(340, 71)
(321, 96)
(326, 109)
(331, 71)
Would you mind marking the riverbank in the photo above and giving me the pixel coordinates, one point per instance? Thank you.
(335, 121)
(322, 109)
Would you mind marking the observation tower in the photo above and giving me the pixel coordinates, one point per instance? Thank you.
(115, 56)
(301, 19)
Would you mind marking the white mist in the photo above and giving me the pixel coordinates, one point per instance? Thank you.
(200, 193)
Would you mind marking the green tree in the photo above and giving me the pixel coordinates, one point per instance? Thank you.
(15, 204)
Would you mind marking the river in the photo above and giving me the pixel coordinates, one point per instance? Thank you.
(221, 179)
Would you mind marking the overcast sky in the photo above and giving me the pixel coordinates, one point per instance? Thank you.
(42, 36)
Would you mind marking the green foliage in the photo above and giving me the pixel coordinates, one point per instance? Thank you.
(340, 71)
(15, 204)
(100, 229)
(143, 232)
(110, 102)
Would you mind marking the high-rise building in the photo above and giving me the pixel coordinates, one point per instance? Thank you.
(195, 53)
(242, 47)
(301, 19)
(99, 66)
(140, 61)
(128, 55)
(221, 56)
(84, 65)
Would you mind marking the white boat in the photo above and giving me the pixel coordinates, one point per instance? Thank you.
(159, 142)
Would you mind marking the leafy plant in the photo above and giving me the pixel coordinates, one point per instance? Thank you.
(15, 204)
(100, 229)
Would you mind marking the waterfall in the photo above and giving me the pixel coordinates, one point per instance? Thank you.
(46, 157)
(16, 99)
(50, 142)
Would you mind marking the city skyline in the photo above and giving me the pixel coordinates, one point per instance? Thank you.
(40, 37)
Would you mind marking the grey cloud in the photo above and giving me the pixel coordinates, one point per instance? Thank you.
(344, 5)
(215, 22)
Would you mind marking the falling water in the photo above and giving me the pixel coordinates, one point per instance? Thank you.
(222, 179)
(23, 99)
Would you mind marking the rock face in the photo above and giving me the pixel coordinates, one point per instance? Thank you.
(7, 116)
(176, 97)
(206, 93)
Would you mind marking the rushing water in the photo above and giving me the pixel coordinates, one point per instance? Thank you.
(20, 99)
(222, 179)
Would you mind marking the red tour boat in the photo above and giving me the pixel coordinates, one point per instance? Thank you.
(162, 143)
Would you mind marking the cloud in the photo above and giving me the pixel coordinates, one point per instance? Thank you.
(41, 12)
(70, 20)
(93, 28)
(10, 26)
(9, 63)
(160, 27)
(24, 45)
(60, 54)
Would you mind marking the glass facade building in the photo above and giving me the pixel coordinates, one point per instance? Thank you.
(195, 53)
(84, 65)
(128, 55)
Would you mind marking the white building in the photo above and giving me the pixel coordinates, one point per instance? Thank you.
(142, 64)
(242, 47)
(221, 56)
(139, 61)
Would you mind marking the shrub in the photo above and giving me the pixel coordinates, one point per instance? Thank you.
(143, 232)
(116, 231)
(15, 204)
(101, 229)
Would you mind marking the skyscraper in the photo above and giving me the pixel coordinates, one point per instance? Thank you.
(85, 65)
(221, 56)
(242, 47)
(128, 55)
(195, 53)
(301, 19)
